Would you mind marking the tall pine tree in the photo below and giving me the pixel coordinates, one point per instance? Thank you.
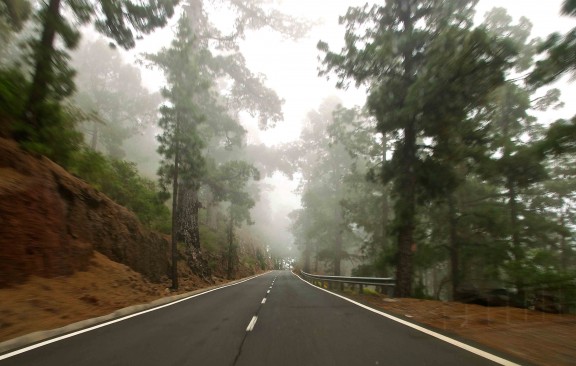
(180, 143)
(425, 68)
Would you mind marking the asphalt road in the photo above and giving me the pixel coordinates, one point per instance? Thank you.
(273, 319)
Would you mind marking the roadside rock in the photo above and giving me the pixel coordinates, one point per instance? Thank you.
(51, 222)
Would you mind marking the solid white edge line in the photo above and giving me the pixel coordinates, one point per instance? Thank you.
(252, 323)
(56, 339)
(444, 338)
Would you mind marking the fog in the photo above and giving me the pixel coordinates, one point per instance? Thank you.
(290, 68)
(323, 182)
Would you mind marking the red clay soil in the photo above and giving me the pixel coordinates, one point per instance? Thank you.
(540, 338)
(104, 287)
(51, 222)
(62, 244)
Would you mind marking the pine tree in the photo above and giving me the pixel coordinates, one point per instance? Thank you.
(122, 21)
(180, 143)
(420, 87)
(232, 178)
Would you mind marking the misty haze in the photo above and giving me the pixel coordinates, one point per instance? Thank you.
(287, 182)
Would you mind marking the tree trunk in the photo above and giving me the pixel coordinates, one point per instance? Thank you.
(406, 208)
(385, 207)
(213, 216)
(316, 259)
(406, 203)
(338, 242)
(564, 248)
(196, 205)
(184, 233)
(188, 220)
(385, 219)
(43, 58)
(194, 10)
(94, 139)
(175, 199)
(211, 206)
(517, 250)
(454, 247)
(307, 252)
(230, 246)
(404, 266)
(513, 207)
(338, 254)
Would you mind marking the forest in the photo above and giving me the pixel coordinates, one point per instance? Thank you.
(445, 179)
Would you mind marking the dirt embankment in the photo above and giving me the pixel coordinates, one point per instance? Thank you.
(534, 336)
(69, 253)
(52, 222)
(102, 288)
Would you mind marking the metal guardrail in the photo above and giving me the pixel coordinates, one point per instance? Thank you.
(386, 285)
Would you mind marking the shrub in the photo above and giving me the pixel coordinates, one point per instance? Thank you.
(13, 87)
(121, 181)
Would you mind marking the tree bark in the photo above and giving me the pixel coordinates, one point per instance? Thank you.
(211, 216)
(94, 139)
(43, 72)
(307, 252)
(184, 225)
(406, 205)
(196, 205)
(406, 208)
(454, 247)
(385, 207)
(188, 217)
(175, 199)
(513, 207)
(230, 246)
(517, 250)
(316, 259)
(338, 254)
(564, 248)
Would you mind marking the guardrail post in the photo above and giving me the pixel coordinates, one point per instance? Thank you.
(342, 286)
(360, 288)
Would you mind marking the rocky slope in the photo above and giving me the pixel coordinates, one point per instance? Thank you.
(52, 222)
(68, 252)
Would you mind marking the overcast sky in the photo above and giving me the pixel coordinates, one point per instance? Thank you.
(292, 67)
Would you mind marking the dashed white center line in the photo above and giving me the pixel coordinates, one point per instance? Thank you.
(268, 291)
(263, 300)
(252, 323)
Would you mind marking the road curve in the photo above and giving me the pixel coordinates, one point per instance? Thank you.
(273, 319)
